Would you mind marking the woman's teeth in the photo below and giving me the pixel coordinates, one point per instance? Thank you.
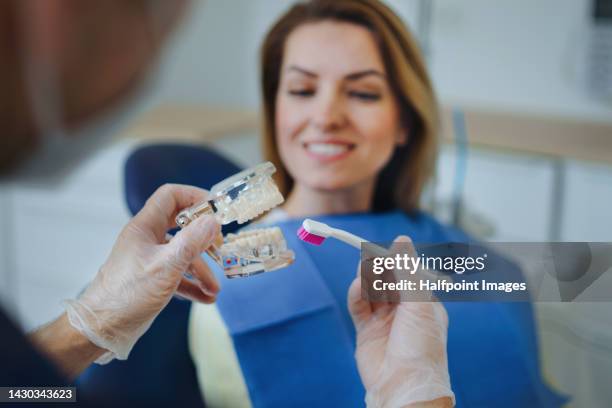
(327, 149)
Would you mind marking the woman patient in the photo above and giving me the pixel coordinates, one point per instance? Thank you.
(351, 123)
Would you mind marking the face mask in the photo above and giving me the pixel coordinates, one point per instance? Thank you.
(61, 152)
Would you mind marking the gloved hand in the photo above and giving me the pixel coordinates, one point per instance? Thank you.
(143, 271)
(401, 348)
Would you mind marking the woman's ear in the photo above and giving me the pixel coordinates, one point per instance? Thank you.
(402, 137)
(404, 130)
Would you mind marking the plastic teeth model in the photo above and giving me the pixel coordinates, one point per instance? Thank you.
(240, 197)
(253, 251)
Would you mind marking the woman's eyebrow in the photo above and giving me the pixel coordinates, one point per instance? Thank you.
(350, 77)
(302, 71)
(360, 74)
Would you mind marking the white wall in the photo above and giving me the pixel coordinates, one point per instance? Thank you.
(206, 60)
(520, 55)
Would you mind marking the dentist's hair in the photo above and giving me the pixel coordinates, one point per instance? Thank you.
(401, 181)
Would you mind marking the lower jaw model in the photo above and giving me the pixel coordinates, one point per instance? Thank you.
(253, 251)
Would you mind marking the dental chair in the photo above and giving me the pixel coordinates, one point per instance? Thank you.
(159, 370)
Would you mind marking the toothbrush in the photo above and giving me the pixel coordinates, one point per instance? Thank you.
(315, 232)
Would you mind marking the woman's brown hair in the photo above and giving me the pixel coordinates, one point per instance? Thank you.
(401, 181)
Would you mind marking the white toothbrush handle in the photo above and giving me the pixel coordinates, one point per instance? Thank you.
(356, 241)
(347, 237)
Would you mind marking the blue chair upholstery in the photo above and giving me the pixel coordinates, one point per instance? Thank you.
(159, 371)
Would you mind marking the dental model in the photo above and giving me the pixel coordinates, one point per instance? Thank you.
(241, 198)
(254, 251)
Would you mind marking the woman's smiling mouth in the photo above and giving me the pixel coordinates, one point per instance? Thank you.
(328, 151)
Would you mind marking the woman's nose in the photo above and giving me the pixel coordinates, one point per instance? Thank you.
(329, 113)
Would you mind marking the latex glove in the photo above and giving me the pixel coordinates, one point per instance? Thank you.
(401, 349)
(143, 271)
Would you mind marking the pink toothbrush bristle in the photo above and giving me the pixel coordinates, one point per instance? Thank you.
(310, 238)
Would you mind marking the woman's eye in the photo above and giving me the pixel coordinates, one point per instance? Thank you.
(366, 96)
(301, 92)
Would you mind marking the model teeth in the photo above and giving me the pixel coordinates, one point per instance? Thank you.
(251, 239)
(327, 149)
(253, 251)
(252, 203)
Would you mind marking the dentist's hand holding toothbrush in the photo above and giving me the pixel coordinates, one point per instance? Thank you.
(401, 349)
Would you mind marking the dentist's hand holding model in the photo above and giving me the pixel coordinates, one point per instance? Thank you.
(142, 273)
(401, 350)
